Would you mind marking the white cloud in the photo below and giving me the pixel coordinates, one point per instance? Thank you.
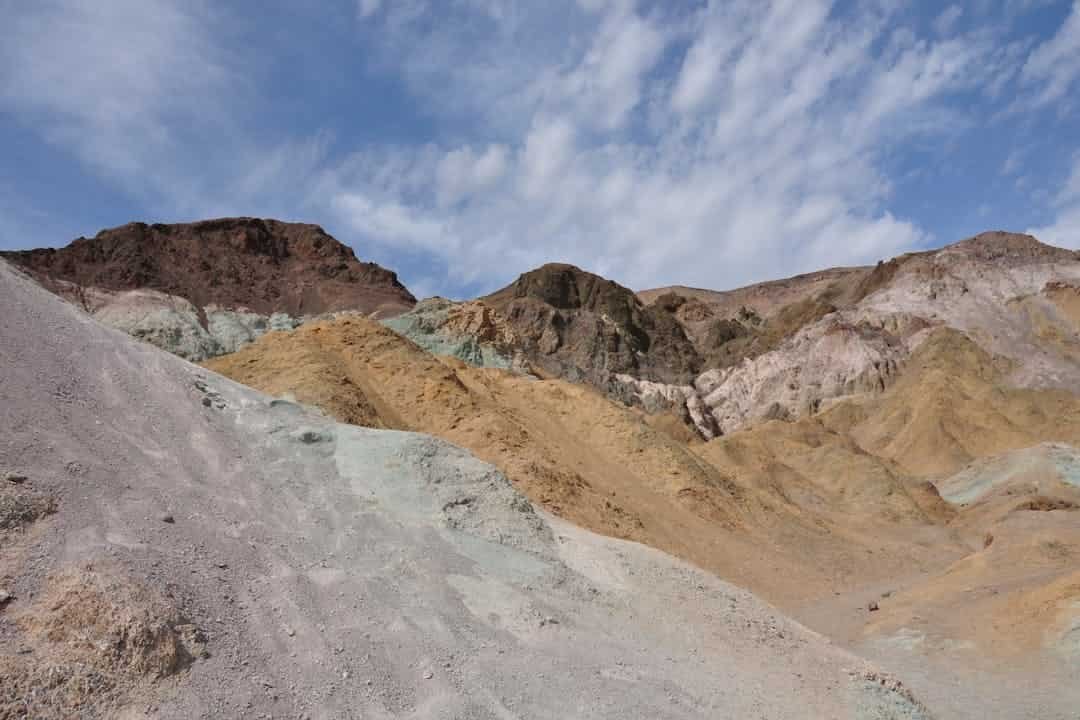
(754, 154)
(605, 86)
(1013, 162)
(1064, 231)
(1053, 67)
(944, 23)
(116, 82)
(369, 7)
(710, 144)
(463, 172)
(391, 222)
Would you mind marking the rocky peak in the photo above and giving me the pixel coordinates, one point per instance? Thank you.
(567, 287)
(260, 264)
(579, 325)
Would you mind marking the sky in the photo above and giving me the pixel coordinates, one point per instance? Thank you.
(462, 142)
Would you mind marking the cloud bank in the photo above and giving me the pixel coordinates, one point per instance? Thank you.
(709, 144)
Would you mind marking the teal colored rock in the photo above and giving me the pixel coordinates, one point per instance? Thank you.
(427, 325)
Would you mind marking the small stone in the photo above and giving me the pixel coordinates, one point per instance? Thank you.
(428, 675)
(290, 632)
(167, 518)
(207, 402)
(873, 606)
(222, 565)
(5, 597)
(15, 478)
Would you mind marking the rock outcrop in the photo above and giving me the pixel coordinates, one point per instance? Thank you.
(579, 326)
(472, 332)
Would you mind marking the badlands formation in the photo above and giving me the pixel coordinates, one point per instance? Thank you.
(394, 514)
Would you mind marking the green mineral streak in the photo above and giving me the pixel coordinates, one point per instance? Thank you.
(424, 326)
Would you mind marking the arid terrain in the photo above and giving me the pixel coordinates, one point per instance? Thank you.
(563, 499)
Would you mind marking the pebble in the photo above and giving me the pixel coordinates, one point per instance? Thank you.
(15, 478)
(428, 675)
(5, 597)
(166, 518)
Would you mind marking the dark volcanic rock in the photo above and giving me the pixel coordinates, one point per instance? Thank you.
(580, 326)
(266, 266)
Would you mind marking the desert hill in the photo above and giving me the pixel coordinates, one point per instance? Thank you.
(886, 453)
(204, 288)
(1009, 293)
(179, 546)
(804, 512)
(826, 502)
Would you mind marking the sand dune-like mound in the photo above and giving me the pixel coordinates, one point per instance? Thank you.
(210, 552)
(1013, 600)
(601, 465)
(954, 403)
(570, 449)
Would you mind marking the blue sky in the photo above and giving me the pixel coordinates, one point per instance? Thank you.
(461, 142)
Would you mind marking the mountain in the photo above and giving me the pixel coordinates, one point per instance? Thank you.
(202, 289)
(579, 326)
(179, 546)
(886, 453)
(1009, 293)
(845, 504)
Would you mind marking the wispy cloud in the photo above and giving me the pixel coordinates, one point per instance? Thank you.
(754, 154)
(1053, 67)
(711, 143)
(1064, 231)
(118, 83)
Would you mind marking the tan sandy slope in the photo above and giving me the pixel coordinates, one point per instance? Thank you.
(584, 457)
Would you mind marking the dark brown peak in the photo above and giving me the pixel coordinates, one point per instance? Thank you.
(567, 287)
(263, 264)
